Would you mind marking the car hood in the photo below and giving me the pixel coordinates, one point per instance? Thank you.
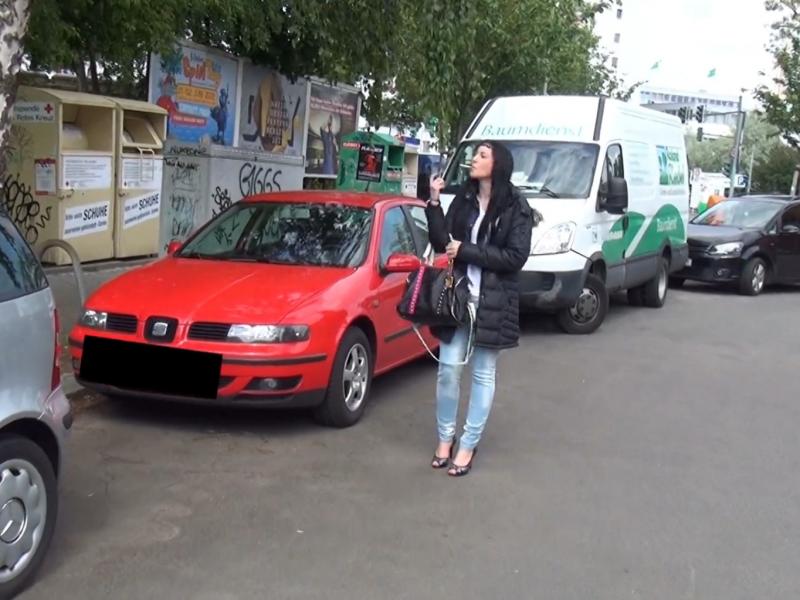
(713, 234)
(217, 291)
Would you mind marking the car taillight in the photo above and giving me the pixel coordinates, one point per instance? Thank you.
(55, 379)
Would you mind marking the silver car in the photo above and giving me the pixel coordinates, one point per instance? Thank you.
(35, 415)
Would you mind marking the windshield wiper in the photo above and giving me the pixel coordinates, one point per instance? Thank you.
(538, 189)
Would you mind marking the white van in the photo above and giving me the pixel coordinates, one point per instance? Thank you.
(610, 180)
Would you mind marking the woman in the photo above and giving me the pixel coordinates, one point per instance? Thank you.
(487, 232)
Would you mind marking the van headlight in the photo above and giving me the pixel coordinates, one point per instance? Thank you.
(94, 319)
(557, 240)
(726, 249)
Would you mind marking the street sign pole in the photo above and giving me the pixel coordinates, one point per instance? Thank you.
(736, 144)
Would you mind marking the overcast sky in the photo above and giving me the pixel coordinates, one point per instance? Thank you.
(691, 37)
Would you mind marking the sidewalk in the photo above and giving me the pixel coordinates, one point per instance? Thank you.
(65, 290)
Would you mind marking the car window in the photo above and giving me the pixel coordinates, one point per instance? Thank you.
(20, 272)
(613, 166)
(419, 223)
(791, 217)
(396, 235)
(297, 233)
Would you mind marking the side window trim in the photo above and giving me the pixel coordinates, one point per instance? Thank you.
(420, 241)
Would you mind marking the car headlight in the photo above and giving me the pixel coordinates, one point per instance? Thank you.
(267, 334)
(94, 319)
(726, 249)
(557, 240)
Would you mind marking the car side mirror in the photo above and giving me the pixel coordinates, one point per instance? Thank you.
(790, 229)
(616, 198)
(173, 247)
(401, 263)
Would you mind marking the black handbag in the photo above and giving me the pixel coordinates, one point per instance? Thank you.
(435, 297)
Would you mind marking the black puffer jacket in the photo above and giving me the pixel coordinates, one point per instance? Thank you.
(504, 244)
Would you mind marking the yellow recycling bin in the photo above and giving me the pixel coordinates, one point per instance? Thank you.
(60, 177)
(141, 130)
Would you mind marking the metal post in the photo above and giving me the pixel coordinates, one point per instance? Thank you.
(737, 142)
(750, 172)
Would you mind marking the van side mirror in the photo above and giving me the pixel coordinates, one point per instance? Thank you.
(616, 198)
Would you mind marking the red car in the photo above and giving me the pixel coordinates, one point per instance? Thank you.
(284, 300)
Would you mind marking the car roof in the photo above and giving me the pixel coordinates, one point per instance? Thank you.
(357, 199)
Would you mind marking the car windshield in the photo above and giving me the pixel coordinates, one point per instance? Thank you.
(330, 235)
(552, 169)
(744, 214)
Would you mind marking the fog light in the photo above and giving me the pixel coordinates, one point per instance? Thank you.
(273, 384)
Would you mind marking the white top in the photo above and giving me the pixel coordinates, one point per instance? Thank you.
(473, 272)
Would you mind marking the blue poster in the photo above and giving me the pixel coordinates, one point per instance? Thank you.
(197, 87)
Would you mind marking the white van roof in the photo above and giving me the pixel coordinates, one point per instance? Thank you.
(558, 118)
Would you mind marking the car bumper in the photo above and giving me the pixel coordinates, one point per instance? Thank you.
(268, 380)
(712, 270)
(58, 417)
(549, 291)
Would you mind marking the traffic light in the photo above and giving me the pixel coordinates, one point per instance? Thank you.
(726, 169)
(699, 134)
(683, 114)
(700, 113)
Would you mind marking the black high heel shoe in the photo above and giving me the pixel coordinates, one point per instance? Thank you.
(439, 462)
(462, 470)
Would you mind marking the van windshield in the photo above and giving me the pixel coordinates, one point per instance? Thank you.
(551, 169)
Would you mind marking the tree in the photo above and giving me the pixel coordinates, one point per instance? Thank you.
(774, 172)
(453, 55)
(14, 16)
(782, 103)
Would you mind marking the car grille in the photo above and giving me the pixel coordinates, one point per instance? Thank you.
(212, 332)
(121, 323)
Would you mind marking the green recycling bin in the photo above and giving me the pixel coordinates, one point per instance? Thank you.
(371, 162)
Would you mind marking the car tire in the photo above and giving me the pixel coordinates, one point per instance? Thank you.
(754, 277)
(589, 311)
(350, 382)
(654, 292)
(635, 296)
(25, 470)
(676, 282)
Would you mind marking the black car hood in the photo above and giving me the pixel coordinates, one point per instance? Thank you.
(714, 234)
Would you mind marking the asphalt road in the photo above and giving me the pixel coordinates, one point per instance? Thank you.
(657, 458)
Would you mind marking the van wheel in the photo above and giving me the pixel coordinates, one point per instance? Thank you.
(29, 497)
(589, 311)
(654, 292)
(351, 379)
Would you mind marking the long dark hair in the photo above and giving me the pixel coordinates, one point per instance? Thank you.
(502, 169)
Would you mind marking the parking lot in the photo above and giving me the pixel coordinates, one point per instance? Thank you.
(657, 458)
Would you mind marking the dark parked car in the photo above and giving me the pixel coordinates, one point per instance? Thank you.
(749, 241)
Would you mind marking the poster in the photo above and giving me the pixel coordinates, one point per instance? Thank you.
(333, 113)
(142, 173)
(140, 209)
(86, 172)
(273, 112)
(86, 219)
(197, 87)
(45, 176)
(370, 161)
